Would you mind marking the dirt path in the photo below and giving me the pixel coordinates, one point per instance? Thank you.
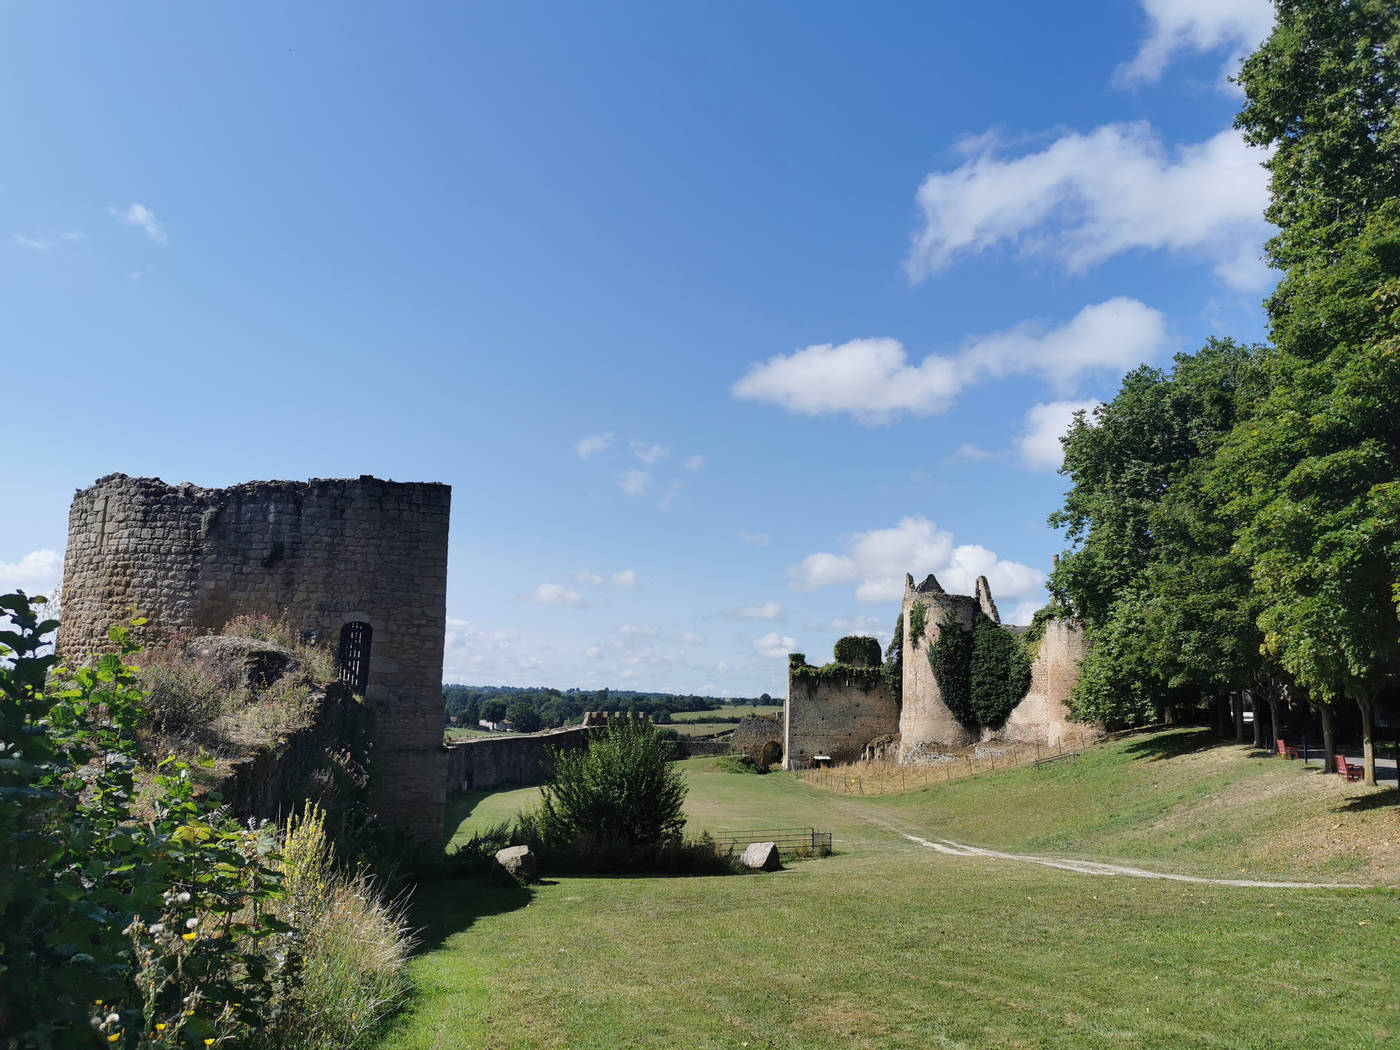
(1092, 867)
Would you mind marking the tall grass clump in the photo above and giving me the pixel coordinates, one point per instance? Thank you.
(352, 944)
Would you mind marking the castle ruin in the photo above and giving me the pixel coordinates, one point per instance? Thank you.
(359, 564)
(843, 713)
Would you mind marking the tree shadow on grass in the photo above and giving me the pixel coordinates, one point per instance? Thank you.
(443, 907)
(1387, 798)
(1175, 744)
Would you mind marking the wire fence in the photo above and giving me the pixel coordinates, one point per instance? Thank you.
(791, 842)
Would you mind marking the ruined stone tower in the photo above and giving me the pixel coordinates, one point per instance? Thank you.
(925, 719)
(360, 564)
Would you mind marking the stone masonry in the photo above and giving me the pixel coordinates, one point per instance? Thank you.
(835, 717)
(325, 553)
(845, 720)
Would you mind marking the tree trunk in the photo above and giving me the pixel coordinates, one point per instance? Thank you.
(1222, 716)
(1257, 722)
(1368, 750)
(1329, 737)
(1237, 710)
(1275, 730)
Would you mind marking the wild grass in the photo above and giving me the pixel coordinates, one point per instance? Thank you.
(353, 944)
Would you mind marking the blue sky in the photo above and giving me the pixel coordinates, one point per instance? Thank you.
(718, 318)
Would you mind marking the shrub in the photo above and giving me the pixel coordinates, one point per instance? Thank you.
(615, 801)
(857, 650)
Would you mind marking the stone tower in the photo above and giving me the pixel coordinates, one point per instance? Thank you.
(925, 719)
(360, 564)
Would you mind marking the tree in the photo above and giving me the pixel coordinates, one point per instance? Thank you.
(620, 795)
(1323, 92)
(1315, 470)
(524, 717)
(493, 710)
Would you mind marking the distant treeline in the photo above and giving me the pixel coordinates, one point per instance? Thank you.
(532, 708)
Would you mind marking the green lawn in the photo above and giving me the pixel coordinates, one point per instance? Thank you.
(888, 944)
(729, 711)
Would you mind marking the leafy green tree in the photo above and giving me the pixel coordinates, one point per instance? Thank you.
(1323, 93)
(494, 710)
(524, 717)
(621, 796)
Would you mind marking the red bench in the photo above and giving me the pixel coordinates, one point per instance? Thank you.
(1285, 750)
(1348, 770)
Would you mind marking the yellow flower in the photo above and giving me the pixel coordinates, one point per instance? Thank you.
(114, 1037)
(160, 1027)
(208, 1042)
(187, 936)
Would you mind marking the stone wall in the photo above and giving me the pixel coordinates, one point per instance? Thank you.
(325, 553)
(834, 716)
(755, 731)
(1043, 716)
(925, 719)
(520, 758)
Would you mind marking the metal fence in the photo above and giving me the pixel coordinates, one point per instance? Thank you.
(790, 841)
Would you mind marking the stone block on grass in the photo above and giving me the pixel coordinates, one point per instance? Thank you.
(761, 856)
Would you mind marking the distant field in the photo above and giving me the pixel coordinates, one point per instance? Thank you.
(728, 712)
(890, 944)
(464, 733)
(701, 728)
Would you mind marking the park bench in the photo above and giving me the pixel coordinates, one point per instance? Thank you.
(1346, 769)
(1285, 750)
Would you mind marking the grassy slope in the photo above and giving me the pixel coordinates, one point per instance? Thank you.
(728, 711)
(890, 945)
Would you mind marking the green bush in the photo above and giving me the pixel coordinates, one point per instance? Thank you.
(857, 650)
(615, 802)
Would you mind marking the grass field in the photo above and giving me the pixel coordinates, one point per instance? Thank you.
(729, 711)
(889, 944)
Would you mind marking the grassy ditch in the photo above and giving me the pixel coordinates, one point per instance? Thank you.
(888, 944)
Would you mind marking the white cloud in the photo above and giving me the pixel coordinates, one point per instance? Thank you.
(691, 638)
(872, 379)
(584, 576)
(1039, 443)
(625, 580)
(556, 594)
(632, 630)
(766, 611)
(696, 462)
(868, 625)
(139, 215)
(1196, 25)
(649, 454)
(634, 482)
(673, 492)
(593, 444)
(773, 644)
(471, 652)
(38, 244)
(757, 539)
(1086, 198)
(969, 453)
(38, 572)
(877, 561)
(1021, 613)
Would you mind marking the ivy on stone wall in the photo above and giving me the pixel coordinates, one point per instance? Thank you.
(982, 674)
(950, 656)
(857, 650)
(918, 620)
(1001, 671)
(1036, 631)
(808, 676)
